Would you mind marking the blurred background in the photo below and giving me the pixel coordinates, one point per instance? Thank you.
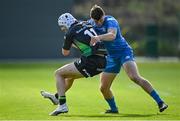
(29, 29)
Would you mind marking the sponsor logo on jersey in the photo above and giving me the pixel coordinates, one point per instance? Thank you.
(85, 71)
(127, 57)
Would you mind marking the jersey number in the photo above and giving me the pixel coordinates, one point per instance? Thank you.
(90, 32)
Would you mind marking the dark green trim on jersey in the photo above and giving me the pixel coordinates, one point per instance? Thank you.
(84, 48)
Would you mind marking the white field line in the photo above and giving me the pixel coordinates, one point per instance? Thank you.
(89, 120)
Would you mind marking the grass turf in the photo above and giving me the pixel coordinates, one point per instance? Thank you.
(20, 84)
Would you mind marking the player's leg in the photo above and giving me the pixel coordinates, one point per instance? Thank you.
(54, 97)
(131, 69)
(105, 88)
(68, 85)
(106, 78)
(94, 65)
(85, 67)
(64, 76)
(67, 71)
(106, 82)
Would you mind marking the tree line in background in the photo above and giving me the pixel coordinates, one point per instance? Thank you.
(152, 27)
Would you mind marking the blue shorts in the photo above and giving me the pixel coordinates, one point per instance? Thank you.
(114, 63)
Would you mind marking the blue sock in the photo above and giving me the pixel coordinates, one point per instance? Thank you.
(156, 97)
(112, 104)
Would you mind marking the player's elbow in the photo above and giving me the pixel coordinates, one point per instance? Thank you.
(112, 36)
(65, 52)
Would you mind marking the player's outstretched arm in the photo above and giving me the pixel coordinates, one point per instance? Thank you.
(109, 36)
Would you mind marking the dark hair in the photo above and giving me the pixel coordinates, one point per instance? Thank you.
(96, 12)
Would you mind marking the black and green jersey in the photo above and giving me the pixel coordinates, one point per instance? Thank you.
(80, 34)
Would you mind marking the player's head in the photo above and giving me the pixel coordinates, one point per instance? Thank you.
(97, 14)
(65, 21)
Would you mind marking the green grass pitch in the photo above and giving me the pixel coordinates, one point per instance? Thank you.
(20, 99)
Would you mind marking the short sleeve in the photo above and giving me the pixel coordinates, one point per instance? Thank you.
(111, 23)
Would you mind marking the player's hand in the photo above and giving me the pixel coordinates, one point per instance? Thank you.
(94, 40)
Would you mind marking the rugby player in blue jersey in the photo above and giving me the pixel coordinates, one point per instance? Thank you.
(120, 54)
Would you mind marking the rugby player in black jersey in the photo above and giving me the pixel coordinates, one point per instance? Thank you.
(92, 61)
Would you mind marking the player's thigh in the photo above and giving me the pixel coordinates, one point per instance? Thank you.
(91, 65)
(112, 65)
(69, 71)
(107, 79)
(131, 69)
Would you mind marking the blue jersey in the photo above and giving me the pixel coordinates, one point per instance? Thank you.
(119, 44)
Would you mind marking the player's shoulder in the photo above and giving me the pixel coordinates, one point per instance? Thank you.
(81, 24)
(73, 28)
(86, 24)
(71, 31)
(110, 18)
(91, 22)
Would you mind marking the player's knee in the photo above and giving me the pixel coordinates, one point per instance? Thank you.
(138, 80)
(103, 89)
(58, 72)
(135, 78)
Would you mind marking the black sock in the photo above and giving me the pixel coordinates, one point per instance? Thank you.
(56, 95)
(62, 100)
